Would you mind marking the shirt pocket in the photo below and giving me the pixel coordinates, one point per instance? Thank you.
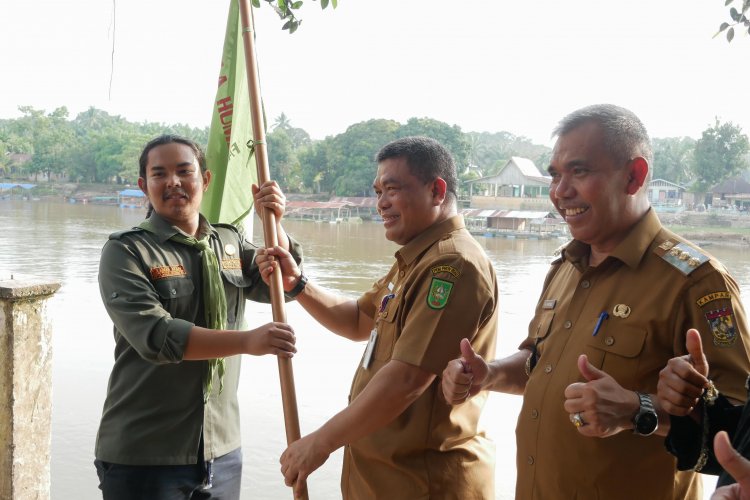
(174, 288)
(235, 284)
(618, 352)
(543, 327)
(176, 295)
(387, 330)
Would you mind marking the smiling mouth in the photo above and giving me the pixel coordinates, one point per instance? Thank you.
(570, 212)
(387, 219)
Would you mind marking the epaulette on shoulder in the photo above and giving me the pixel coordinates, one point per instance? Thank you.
(120, 234)
(223, 226)
(681, 256)
(557, 254)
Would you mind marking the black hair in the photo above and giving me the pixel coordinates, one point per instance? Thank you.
(427, 160)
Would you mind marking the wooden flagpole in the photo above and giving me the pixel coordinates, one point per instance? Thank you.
(286, 374)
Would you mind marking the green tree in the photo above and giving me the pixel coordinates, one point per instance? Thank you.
(282, 161)
(720, 153)
(50, 136)
(352, 155)
(673, 159)
(12, 142)
(282, 122)
(449, 136)
(316, 168)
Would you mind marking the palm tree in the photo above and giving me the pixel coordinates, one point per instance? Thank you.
(282, 122)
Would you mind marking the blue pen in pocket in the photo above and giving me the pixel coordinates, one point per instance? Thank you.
(602, 317)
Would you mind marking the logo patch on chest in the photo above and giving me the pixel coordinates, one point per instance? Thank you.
(439, 292)
(159, 273)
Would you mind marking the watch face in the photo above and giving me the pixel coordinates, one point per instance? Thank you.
(646, 423)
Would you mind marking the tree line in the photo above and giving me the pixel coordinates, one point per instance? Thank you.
(96, 147)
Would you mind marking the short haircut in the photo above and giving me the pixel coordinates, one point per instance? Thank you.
(169, 139)
(625, 136)
(427, 160)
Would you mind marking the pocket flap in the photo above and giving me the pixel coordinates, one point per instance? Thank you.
(172, 288)
(624, 341)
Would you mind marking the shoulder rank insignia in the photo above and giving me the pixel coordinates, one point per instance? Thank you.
(721, 322)
(558, 250)
(667, 245)
(685, 258)
(439, 292)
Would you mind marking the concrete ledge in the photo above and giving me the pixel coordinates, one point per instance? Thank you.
(19, 287)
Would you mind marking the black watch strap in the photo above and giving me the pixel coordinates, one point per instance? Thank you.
(298, 287)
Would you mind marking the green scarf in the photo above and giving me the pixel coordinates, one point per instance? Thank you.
(214, 300)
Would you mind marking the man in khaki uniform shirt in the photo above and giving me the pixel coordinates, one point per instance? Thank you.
(402, 440)
(615, 307)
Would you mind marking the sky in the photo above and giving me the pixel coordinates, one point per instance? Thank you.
(484, 65)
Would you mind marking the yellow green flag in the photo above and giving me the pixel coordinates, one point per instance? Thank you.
(229, 154)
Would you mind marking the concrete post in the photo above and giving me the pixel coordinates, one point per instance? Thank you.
(25, 388)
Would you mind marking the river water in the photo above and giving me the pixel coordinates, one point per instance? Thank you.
(61, 242)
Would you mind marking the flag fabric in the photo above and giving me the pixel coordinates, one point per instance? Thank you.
(229, 154)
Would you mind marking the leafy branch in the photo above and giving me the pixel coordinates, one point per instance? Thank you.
(286, 10)
(739, 20)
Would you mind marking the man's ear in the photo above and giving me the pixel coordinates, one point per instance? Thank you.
(142, 185)
(439, 190)
(206, 179)
(637, 171)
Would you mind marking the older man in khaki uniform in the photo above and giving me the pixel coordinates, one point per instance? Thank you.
(615, 307)
(402, 440)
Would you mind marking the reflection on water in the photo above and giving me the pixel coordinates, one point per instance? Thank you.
(62, 242)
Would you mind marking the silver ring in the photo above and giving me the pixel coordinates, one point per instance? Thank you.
(577, 420)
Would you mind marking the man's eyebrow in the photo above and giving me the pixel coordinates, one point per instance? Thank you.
(387, 180)
(569, 165)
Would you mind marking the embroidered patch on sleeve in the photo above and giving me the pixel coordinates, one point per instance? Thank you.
(446, 269)
(713, 296)
(721, 322)
(439, 292)
(159, 273)
(231, 264)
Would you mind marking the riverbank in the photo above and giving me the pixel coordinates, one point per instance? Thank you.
(725, 228)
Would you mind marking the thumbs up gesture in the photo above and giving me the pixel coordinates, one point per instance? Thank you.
(603, 405)
(463, 377)
(736, 465)
(682, 381)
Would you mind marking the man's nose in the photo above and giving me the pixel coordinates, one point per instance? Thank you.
(382, 203)
(564, 188)
(173, 180)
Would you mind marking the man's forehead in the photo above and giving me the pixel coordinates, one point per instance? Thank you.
(174, 157)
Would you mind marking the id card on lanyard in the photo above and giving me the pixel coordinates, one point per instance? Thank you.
(370, 349)
(367, 358)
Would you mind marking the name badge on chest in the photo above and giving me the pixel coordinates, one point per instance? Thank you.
(367, 358)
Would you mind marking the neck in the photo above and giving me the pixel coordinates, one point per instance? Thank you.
(190, 227)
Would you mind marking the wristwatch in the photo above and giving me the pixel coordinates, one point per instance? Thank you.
(645, 421)
(298, 287)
